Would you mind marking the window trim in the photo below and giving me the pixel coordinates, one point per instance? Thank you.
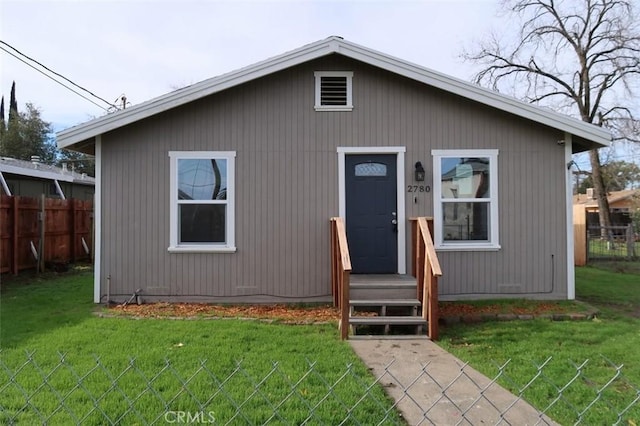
(318, 78)
(174, 245)
(494, 241)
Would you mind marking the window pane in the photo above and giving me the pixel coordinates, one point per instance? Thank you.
(465, 221)
(202, 223)
(371, 169)
(202, 179)
(464, 177)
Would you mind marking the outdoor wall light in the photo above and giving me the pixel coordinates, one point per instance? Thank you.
(419, 174)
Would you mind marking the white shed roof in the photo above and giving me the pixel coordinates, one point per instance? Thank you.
(86, 131)
(43, 171)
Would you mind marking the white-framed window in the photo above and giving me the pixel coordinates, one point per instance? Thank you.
(202, 201)
(465, 194)
(334, 90)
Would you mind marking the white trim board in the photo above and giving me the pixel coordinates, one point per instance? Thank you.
(400, 199)
(316, 50)
(571, 277)
(97, 223)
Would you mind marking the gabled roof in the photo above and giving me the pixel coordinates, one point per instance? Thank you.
(84, 132)
(42, 171)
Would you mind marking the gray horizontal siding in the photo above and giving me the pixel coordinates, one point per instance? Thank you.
(286, 188)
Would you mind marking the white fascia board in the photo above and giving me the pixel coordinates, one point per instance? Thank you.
(194, 92)
(84, 182)
(37, 173)
(471, 91)
(318, 49)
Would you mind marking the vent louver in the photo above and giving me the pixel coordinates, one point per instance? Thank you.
(333, 91)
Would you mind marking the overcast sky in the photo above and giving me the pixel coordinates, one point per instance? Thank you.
(148, 48)
(144, 48)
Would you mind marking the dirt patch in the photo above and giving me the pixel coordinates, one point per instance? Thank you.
(456, 309)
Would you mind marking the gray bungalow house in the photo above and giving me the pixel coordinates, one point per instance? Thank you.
(222, 191)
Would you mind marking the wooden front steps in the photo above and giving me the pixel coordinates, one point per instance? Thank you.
(385, 305)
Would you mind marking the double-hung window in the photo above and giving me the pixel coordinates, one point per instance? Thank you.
(465, 190)
(202, 201)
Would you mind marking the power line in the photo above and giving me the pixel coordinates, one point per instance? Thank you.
(57, 74)
(48, 76)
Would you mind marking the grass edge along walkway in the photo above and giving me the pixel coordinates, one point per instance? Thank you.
(604, 342)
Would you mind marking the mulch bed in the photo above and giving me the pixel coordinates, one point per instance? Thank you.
(285, 313)
(292, 314)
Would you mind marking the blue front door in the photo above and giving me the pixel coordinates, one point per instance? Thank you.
(371, 213)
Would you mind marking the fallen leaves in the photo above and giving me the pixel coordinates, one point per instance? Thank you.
(457, 309)
(295, 314)
(286, 313)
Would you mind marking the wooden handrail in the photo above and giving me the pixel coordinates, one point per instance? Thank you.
(340, 272)
(430, 249)
(426, 269)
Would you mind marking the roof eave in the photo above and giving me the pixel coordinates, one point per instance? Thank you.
(87, 131)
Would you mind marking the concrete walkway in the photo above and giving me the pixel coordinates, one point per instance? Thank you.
(444, 393)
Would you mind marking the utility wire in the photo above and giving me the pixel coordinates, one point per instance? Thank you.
(57, 74)
(60, 83)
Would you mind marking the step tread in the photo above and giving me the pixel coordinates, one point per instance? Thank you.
(382, 285)
(381, 320)
(389, 337)
(385, 302)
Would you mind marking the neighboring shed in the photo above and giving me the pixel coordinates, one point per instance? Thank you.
(33, 178)
(222, 191)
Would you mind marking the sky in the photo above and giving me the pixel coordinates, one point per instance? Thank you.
(144, 49)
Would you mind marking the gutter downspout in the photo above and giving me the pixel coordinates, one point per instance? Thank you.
(5, 187)
(59, 189)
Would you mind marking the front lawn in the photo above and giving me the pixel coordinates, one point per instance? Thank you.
(123, 370)
(611, 338)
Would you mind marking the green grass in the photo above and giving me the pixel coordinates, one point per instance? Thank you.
(602, 249)
(613, 336)
(40, 319)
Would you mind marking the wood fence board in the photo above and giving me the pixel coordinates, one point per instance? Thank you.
(579, 235)
(66, 223)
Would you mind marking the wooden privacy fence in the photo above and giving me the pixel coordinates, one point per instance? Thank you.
(60, 229)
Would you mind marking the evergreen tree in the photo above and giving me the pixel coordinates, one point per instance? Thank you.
(2, 125)
(13, 103)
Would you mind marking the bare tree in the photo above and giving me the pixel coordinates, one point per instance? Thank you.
(579, 56)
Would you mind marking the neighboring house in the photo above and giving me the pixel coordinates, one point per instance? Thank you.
(624, 201)
(222, 191)
(32, 179)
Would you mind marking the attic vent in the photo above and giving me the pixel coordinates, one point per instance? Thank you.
(333, 91)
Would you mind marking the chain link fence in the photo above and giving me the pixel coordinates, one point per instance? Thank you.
(55, 392)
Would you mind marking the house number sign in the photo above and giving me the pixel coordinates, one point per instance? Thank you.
(418, 188)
